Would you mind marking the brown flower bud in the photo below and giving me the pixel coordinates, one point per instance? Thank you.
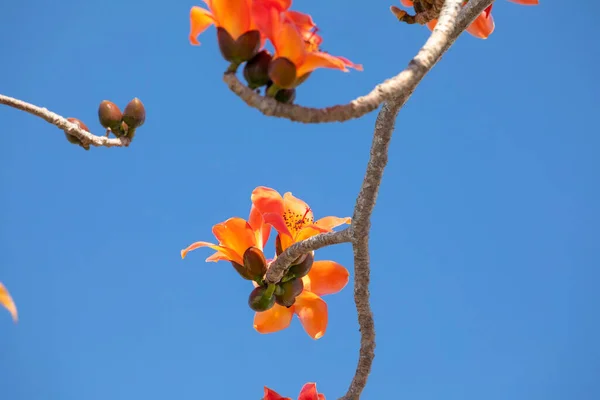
(256, 70)
(286, 96)
(261, 299)
(303, 268)
(75, 139)
(134, 114)
(110, 116)
(288, 292)
(282, 72)
(255, 263)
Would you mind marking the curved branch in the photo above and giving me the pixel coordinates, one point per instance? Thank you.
(62, 123)
(449, 27)
(282, 263)
(398, 85)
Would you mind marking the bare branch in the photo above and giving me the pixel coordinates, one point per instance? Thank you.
(282, 263)
(399, 85)
(62, 123)
(445, 33)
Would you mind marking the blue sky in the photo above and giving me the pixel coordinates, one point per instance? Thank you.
(485, 237)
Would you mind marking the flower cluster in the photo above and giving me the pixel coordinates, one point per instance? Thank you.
(482, 27)
(7, 302)
(244, 26)
(241, 242)
(308, 392)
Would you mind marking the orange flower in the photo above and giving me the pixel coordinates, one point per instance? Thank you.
(7, 301)
(324, 278)
(308, 392)
(232, 15)
(293, 35)
(483, 26)
(235, 236)
(290, 216)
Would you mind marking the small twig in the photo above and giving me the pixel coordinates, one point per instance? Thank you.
(410, 77)
(282, 263)
(62, 123)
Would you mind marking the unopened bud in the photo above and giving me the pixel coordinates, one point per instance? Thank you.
(110, 116)
(302, 268)
(134, 114)
(255, 263)
(75, 139)
(261, 299)
(256, 70)
(288, 292)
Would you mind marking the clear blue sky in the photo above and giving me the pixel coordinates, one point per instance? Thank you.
(485, 241)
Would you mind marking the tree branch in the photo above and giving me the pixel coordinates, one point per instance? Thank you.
(449, 27)
(282, 263)
(360, 106)
(62, 123)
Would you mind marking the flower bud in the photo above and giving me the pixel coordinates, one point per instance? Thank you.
(282, 72)
(75, 139)
(255, 263)
(110, 116)
(256, 70)
(289, 291)
(134, 115)
(237, 51)
(303, 268)
(286, 96)
(261, 299)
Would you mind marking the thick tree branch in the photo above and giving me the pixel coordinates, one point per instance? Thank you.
(360, 106)
(62, 123)
(280, 266)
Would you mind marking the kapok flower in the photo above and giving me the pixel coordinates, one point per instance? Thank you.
(482, 27)
(7, 302)
(291, 217)
(296, 46)
(324, 278)
(235, 236)
(238, 37)
(308, 392)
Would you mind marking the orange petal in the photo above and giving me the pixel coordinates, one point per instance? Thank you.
(288, 41)
(309, 392)
(235, 234)
(270, 394)
(270, 204)
(318, 59)
(327, 277)
(526, 2)
(332, 222)
(200, 20)
(406, 3)
(309, 231)
(312, 312)
(232, 15)
(273, 320)
(296, 213)
(261, 230)
(7, 301)
(483, 26)
(303, 22)
(228, 254)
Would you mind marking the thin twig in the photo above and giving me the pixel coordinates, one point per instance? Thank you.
(445, 33)
(62, 123)
(414, 72)
(282, 263)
